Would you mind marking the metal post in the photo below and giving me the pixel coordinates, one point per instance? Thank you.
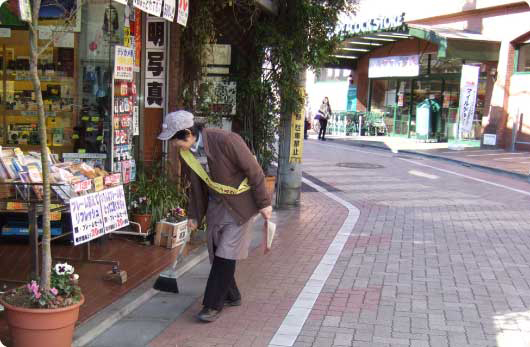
(515, 127)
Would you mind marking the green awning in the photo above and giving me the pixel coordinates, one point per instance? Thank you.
(451, 43)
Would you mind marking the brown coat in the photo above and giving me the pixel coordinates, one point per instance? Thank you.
(229, 162)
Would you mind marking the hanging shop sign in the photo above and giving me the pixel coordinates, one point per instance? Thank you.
(396, 66)
(183, 11)
(123, 63)
(155, 63)
(153, 7)
(95, 214)
(381, 23)
(168, 11)
(468, 97)
(297, 138)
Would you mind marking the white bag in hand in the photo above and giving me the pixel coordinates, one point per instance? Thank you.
(270, 231)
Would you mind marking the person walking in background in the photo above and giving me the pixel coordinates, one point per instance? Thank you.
(325, 113)
(307, 116)
(228, 188)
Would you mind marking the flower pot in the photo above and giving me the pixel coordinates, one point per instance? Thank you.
(42, 327)
(270, 182)
(144, 220)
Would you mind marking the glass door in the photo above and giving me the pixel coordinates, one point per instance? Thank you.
(402, 109)
(426, 95)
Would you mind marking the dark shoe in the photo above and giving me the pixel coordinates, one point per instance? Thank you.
(208, 315)
(236, 302)
(323, 139)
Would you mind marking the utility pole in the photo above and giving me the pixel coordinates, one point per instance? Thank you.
(289, 173)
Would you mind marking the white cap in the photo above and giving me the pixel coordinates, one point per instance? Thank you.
(174, 122)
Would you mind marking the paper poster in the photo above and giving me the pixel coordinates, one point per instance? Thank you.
(123, 63)
(183, 11)
(168, 11)
(468, 97)
(87, 218)
(153, 7)
(113, 208)
(297, 138)
(95, 214)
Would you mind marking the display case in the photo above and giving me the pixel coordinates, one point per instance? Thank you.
(19, 113)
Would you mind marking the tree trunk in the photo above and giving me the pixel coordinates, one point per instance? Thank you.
(46, 235)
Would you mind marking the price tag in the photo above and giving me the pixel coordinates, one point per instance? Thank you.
(82, 186)
(16, 206)
(95, 119)
(85, 118)
(98, 184)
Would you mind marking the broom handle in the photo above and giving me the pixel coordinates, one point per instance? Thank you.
(181, 251)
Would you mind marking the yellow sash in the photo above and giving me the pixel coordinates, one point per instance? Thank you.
(194, 164)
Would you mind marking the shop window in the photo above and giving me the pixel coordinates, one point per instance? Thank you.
(523, 58)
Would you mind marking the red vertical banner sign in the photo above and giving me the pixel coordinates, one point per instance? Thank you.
(138, 37)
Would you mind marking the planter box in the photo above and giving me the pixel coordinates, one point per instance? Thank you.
(170, 235)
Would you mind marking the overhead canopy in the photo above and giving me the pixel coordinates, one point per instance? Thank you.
(451, 44)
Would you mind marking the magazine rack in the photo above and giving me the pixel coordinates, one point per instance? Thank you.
(24, 194)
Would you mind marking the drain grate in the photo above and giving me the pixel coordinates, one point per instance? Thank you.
(360, 165)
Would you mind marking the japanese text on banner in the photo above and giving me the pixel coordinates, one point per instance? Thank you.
(96, 214)
(153, 7)
(468, 97)
(297, 138)
(124, 63)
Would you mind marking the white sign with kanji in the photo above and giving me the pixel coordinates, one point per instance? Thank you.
(154, 93)
(183, 11)
(153, 7)
(156, 63)
(156, 33)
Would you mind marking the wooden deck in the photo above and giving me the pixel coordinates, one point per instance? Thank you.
(140, 261)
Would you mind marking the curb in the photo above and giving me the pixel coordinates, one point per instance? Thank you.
(433, 156)
(105, 318)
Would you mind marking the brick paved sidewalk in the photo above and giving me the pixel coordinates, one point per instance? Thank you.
(269, 284)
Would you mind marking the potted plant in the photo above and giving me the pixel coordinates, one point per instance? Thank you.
(40, 317)
(153, 195)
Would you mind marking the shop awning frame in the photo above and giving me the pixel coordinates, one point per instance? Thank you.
(451, 43)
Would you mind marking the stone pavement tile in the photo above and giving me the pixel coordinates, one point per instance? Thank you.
(270, 284)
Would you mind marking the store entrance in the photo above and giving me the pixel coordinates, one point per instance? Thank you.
(427, 95)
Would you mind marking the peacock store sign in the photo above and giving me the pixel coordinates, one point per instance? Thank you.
(381, 23)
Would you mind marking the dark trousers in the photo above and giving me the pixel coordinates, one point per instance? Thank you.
(323, 125)
(221, 284)
(307, 125)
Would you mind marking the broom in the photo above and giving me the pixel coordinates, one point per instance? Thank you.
(167, 280)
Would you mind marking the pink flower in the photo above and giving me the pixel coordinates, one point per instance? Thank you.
(37, 295)
(54, 291)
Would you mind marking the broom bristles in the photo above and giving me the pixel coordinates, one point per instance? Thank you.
(166, 284)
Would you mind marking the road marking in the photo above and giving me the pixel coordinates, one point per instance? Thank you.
(524, 192)
(292, 324)
(510, 158)
(423, 174)
(483, 155)
(474, 150)
(347, 148)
